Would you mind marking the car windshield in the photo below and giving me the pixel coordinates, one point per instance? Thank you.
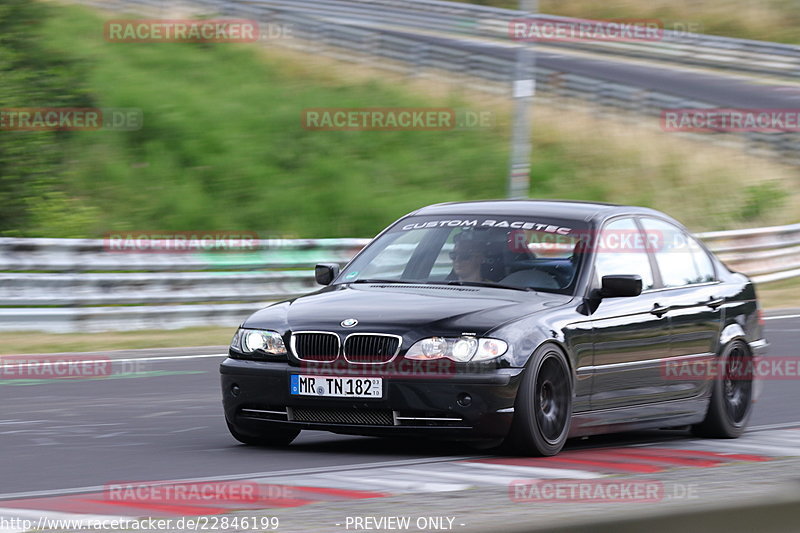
(521, 253)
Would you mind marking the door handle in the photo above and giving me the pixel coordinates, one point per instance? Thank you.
(713, 303)
(659, 310)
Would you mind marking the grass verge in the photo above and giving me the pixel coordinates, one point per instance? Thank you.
(28, 342)
(783, 294)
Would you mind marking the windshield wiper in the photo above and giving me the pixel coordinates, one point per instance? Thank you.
(448, 282)
(480, 284)
(375, 280)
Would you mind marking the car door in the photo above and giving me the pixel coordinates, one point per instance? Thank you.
(630, 334)
(695, 302)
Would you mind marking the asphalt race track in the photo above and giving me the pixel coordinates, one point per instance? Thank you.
(162, 420)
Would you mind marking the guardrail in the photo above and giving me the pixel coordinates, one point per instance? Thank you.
(89, 285)
(765, 254)
(80, 285)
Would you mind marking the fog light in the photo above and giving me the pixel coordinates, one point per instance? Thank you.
(464, 399)
(235, 390)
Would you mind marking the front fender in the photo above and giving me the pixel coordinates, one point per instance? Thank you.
(525, 341)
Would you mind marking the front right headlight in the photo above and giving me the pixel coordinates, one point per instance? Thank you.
(258, 342)
(459, 349)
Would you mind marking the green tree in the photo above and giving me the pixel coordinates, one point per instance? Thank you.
(31, 163)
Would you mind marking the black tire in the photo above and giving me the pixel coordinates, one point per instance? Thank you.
(731, 395)
(543, 408)
(276, 437)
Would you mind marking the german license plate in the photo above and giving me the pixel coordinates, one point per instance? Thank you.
(336, 387)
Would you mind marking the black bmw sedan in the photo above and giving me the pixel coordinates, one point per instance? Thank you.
(523, 322)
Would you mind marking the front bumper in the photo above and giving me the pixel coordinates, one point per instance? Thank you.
(255, 396)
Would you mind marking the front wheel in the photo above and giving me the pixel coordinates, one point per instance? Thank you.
(543, 408)
(277, 436)
(731, 395)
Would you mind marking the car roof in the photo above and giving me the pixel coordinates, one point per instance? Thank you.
(569, 209)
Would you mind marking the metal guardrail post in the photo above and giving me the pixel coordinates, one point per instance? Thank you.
(519, 173)
(420, 55)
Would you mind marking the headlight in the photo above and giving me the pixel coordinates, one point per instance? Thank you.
(463, 349)
(258, 341)
(236, 341)
(459, 349)
(433, 348)
(489, 349)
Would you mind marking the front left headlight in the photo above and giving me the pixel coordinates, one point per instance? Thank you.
(459, 349)
(258, 342)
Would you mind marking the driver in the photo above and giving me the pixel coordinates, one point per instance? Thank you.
(468, 255)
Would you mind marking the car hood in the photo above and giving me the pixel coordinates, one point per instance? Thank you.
(401, 309)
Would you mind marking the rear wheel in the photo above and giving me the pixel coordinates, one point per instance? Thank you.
(276, 436)
(731, 396)
(543, 408)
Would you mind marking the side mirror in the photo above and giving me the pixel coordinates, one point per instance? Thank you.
(325, 273)
(621, 285)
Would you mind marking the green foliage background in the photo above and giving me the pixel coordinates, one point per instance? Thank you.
(32, 74)
(223, 148)
(222, 145)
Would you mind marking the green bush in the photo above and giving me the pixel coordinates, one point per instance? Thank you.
(223, 147)
(761, 198)
(32, 166)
